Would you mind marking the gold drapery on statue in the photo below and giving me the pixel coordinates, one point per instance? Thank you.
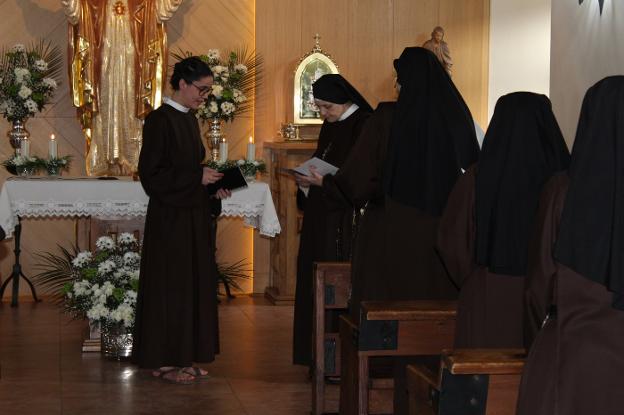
(117, 67)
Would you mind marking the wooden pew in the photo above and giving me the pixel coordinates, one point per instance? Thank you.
(332, 287)
(470, 382)
(406, 328)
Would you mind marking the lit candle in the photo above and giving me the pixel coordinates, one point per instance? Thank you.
(25, 148)
(223, 151)
(53, 147)
(251, 150)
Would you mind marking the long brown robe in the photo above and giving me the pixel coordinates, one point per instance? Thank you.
(176, 315)
(326, 231)
(394, 256)
(575, 363)
(490, 306)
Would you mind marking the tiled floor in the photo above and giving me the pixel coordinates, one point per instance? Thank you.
(44, 372)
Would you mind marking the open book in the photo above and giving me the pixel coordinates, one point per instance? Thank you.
(322, 167)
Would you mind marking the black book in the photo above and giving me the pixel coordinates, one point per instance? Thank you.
(232, 179)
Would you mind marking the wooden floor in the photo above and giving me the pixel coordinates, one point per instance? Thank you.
(44, 372)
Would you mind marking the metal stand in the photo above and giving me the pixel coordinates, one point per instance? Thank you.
(17, 270)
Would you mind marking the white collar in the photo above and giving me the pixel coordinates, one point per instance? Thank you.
(175, 104)
(348, 112)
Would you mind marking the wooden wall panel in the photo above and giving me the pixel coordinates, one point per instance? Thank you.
(467, 32)
(413, 21)
(370, 49)
(376, 33)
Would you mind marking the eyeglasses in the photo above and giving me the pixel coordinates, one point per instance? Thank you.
(203, 90)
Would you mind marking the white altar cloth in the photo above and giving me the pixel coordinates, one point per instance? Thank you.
(67, 197)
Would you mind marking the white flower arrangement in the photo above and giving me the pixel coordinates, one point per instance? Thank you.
(104, 283)
(234, 81)
(27, 81)
(248, 168)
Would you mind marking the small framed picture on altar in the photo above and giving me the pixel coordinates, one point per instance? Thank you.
(311, 67)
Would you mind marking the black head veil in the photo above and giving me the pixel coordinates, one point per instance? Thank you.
(432, 137)
(591, 235)
(337, 90)
(523, 147)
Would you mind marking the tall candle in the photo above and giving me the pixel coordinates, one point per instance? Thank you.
(25, 148)
(251, 150)
(53, 147)
(223, 151)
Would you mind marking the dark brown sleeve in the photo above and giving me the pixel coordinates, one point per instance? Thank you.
(540, 279)
(159, 176)
(359, 178)
(456, 230)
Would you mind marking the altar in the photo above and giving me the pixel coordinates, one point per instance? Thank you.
(112, 199)
(43, 197)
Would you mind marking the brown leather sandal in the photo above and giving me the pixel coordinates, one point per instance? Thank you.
(196, 372)
(176, 375)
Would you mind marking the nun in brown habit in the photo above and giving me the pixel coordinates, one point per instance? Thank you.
(575, 279)
(420, 144)
(484, 231)
(326, 230)
(431, 139)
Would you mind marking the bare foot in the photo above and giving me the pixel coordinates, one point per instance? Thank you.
(195, 371)
(178, 376)
(162, 371)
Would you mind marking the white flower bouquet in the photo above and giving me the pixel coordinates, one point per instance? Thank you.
(104, 283)
(248, 168)
(27, 79)
(235, 79)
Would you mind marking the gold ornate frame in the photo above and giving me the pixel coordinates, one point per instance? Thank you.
(311, 66)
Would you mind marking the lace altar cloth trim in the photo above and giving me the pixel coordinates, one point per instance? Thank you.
(115, 199)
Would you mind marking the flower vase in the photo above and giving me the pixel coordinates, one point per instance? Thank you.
(214, 137)
(116, 341)
(17, 133)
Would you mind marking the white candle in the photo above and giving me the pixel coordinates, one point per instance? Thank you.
(25, 148)
(53, 147)
(223, 151)
(251, 150)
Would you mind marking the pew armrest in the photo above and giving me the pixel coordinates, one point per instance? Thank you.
(484, 361)
(332, 284)
(409, 310)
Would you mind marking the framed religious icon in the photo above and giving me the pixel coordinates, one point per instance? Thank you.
(311, 67)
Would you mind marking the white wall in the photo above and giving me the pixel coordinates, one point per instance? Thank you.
(585, 49)
(519, 47)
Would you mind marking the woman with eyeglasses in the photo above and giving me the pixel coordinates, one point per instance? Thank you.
(326, 230)
(176, 315)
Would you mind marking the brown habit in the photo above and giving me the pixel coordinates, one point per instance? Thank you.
(176, 316)
(490, 306)
(326, 231)
(575, 363)
(394, 257)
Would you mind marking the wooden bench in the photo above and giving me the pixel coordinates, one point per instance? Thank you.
(332, 287)
(469, 382)
(405, 328)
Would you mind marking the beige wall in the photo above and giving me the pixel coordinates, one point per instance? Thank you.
(519, 48)
(586, 47)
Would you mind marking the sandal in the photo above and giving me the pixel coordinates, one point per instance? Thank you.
(175, 375)
(160, 372)
(196, 372)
